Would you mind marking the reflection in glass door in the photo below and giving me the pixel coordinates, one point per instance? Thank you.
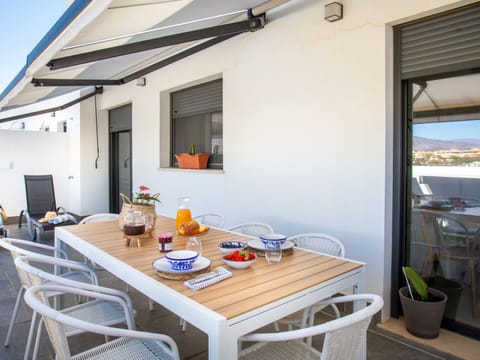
(444, 216)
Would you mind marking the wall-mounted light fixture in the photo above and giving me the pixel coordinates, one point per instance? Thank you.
(141, 81)
(333, 11)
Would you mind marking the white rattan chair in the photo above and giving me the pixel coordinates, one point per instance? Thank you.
(130, 345)
(345, 337)
(211, 219)
(117, 311)
(318, 242)
(255, 229)
(19, 247)
(99, 218)
(96, 218)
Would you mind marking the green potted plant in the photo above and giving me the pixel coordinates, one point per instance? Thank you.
(423, 307)
(192, 160)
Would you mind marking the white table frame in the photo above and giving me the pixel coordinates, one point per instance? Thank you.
(222, 333)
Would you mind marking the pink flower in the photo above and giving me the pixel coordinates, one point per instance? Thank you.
(145, 198)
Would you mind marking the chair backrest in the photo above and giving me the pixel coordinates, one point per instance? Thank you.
(323, 243)
(38, 302)
(344, 336)
(252, 228)
(37, 298)
(40, 194)
(23, 247)
(37, 276)
(444, 231)
(19, 247)
(99, 218)
(211, 219)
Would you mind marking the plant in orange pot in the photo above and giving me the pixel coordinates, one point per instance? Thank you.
(192, 160)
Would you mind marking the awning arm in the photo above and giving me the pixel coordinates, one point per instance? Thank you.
(252, 24)
(98, 90)
(135, 75)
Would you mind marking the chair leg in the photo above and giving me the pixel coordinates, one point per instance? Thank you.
(31, 231)
(275, 326)
(14, 314)
(38, 232)
(183, 324)
(37, 339)
(30, 337)
(20, 219)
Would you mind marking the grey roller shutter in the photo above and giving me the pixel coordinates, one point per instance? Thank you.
(443, 44)
(200, 99)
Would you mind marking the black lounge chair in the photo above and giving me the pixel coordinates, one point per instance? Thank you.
(40, 195)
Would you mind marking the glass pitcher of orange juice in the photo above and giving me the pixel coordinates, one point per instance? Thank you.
(183, 213)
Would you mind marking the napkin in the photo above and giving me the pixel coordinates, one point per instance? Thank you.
(61, 218)
(208, 279)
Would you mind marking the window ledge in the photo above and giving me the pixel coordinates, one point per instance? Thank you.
(201, 171)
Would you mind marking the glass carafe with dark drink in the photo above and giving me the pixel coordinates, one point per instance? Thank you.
(134, 223)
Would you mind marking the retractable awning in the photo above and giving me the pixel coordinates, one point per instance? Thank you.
(112, 42)
(446, 99)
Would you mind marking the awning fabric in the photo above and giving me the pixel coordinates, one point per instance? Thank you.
(111, 42)
(447, 99)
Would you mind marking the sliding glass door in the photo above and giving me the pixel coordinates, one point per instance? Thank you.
(443, 210)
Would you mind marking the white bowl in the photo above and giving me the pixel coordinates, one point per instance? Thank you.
(230, 246)
(273, 239)
(239, 264)
(181, 259)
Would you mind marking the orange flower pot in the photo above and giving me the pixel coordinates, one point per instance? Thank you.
(197, 161)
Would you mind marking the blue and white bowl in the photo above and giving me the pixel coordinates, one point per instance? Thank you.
(230, 246)
(273, 240)
(181, 259)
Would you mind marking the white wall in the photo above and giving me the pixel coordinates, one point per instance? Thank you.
(32, 153)
(80, 187)
(93, 194)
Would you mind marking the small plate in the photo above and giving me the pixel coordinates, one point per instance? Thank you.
(258, 245)
(163, 265)
(197, 234)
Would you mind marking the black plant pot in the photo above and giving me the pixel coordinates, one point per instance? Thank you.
(452, 289)
(423, 318)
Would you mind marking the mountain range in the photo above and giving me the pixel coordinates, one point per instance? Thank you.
(425, 144)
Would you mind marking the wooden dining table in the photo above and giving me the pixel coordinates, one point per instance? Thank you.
(247, 301)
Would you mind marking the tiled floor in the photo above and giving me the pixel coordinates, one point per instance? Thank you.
(192, 343)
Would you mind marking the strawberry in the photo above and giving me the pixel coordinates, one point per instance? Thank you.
(240, 256)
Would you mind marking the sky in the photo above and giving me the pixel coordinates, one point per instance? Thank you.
(448, 130)
(23, 23)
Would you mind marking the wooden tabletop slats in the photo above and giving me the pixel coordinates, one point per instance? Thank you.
(246, 290)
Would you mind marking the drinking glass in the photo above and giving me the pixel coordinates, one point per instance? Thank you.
(194, 244)
(273, 252)
(148, 222)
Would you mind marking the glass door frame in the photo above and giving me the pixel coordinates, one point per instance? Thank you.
(402, 199)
